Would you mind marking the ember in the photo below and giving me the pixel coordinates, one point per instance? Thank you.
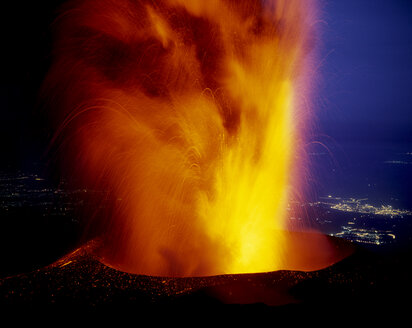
(191, 114)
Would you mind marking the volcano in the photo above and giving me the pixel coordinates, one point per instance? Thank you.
(81, 280)
(361, 284)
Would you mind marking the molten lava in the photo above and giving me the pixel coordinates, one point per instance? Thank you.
(190, 114)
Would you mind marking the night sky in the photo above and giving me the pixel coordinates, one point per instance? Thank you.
(363, 90)
(25, 56)
(366, 73)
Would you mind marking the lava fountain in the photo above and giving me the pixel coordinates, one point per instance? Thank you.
(190, 113)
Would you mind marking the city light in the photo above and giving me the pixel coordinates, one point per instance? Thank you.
(365, 236)
(358, 206)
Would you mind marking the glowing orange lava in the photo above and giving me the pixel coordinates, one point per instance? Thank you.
(190, 113)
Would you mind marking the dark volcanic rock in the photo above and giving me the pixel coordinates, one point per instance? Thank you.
(362, 282)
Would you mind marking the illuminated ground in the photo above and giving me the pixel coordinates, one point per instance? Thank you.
(363, 281)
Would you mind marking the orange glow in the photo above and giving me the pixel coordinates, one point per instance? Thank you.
(190, 113)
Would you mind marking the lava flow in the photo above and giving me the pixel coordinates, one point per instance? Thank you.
(191, 114)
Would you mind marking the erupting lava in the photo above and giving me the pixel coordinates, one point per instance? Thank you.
(189, 112)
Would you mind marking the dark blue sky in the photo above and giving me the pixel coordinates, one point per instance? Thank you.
(366, 73)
